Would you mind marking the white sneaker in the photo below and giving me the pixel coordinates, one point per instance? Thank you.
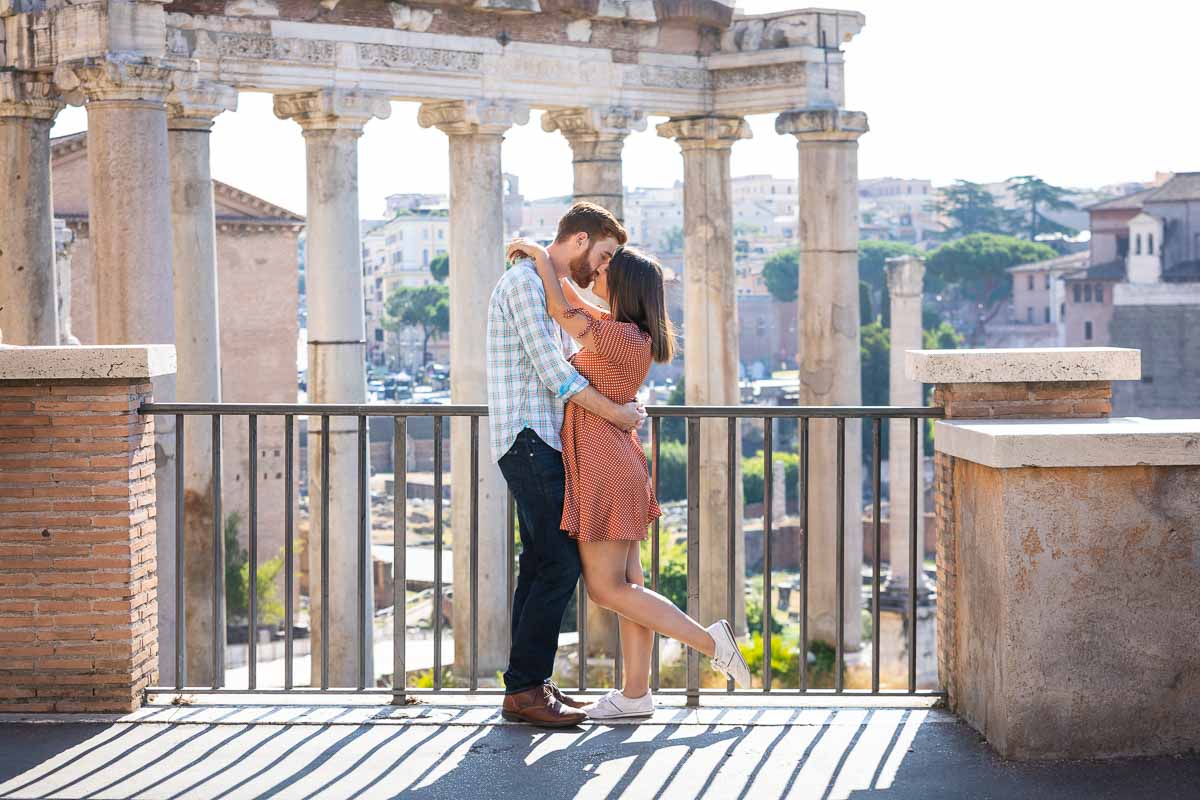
(615, 705)
(728, 658)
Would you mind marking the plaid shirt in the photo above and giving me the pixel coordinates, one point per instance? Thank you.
(529, 377)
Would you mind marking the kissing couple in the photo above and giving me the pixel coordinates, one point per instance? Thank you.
(563, 375)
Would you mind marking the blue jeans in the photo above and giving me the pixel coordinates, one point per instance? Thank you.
(548, 569)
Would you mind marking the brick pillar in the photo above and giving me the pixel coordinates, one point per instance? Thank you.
(1029, 383)
(78, 597)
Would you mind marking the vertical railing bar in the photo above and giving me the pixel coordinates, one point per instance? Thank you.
(804, 531)
(218, 594)
(363, 535)
(252, 579)
(510, 557)
(437, 552)
(326, 422)
(731, 529)
(581, 659)
(654, 554)
(399, 556)
(768, 507)
(474, 554)
(840, 579)
(876, 539)
(289, 528)
(693, 553)
(913, 575)
(180, 604)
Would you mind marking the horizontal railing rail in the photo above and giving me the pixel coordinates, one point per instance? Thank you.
(401, 413)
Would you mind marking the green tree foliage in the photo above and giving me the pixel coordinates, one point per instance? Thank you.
(872, 259)
(672, 469)
(427, 307)
(674, 240)
(781, 273)
(866, 311)
(943, 337)
(874, 348)
(439, 267)
(752, 474)
(975, 265)
(971, 208)
(1038, 197)
(673, 429)
(269, 605)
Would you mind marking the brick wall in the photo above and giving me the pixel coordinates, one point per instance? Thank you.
(78, 608)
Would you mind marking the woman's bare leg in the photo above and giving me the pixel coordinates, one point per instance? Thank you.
(604, 569)
(636, 640)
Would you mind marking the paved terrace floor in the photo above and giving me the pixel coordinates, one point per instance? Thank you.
(343, 748)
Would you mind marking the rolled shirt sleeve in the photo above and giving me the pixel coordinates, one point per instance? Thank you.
(527, 307)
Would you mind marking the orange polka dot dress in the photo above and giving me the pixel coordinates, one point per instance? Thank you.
(609, 495)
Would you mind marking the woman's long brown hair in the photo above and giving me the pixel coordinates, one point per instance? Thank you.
(636, 294)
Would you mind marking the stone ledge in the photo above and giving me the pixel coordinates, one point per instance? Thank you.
(1024, 365)
(1115, 442)
(98, 362)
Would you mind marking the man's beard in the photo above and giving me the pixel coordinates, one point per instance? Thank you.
(581, 269)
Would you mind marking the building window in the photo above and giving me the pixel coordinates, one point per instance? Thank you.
(1099, 293)
(1137, 245)
(1047, 280)
(1087, 293)
(1075, 292)
(1047, 314)
(441, 233)
(379, 334)
(397, 255)
(1029, 314)
(1149, 244)
(1030, 282)
(1062, 311)
(425, 258)
(1087, 331)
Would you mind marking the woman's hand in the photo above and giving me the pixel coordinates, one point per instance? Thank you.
(524, 247)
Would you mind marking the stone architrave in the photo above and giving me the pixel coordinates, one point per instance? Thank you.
(711, 347)
(828, 352)
(905, 277)
(597, 136)
(475, 130)
(129, 223)
(191, 112)
(332, 121)
(28, 293)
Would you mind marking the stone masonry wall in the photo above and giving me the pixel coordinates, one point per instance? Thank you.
(78, 608)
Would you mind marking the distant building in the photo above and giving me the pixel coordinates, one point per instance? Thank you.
(1038, 303)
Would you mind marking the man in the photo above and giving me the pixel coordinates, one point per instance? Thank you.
(529, 380)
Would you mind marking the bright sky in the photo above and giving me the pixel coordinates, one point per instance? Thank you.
(1080, 92)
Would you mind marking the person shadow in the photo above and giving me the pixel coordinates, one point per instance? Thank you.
(500, 761)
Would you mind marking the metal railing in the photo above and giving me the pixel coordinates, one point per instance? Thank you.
(692, 415)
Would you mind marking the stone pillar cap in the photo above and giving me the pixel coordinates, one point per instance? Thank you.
(1024, 365)
(94, 362)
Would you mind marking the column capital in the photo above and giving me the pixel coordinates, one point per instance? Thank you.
(615, 122)
(332, 109)
(197, 104)
(28, 95)
(709, 133)
(115, 78)
(823, 124)
(905, 276)
(468, 117)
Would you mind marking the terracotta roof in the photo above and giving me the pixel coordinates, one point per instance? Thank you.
(1067, 262)
(1181, 186)
(1131, 202)
(1108, 271)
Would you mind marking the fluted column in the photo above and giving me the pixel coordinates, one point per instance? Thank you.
(828, 355)
(905, 278)
(710, 324)
(332, 121)
(597, 136)
(129, 228)
(28, 293)
(191, 112)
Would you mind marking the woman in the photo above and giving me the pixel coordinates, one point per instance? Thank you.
(609, 496)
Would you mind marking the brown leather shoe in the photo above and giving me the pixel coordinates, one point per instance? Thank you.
(538, 706)
(569, 702)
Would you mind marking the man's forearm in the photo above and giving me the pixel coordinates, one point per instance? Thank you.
(598, 404)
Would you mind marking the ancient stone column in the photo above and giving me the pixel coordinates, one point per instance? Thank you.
(191, 112)
(711, 347)
(129, 222)
(332, 121)
(828, 355)
(64, 244)
(905, 276)
(596, 136)
(475, 130)
(28, 295)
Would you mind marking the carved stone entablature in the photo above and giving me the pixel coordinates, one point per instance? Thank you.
(672, 77)
(332, 109)
(604, 121)
(264, 47)
(28, 95)
(469, 117)
(791, 29)
(508, 6)
(419, 58)
(708, 132)
(629, 10)
(791, 73)
(823, 124)
(195, 104)
(114, 78)
(407, 18)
